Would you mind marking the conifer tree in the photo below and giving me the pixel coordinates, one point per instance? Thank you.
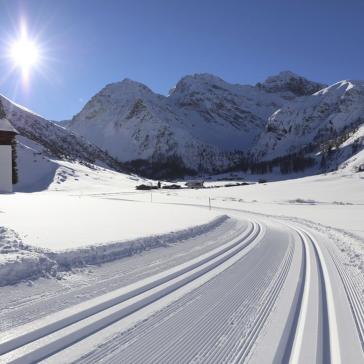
(14, 163)
(2, 111)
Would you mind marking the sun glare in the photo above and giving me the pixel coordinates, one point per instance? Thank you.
(24, 53)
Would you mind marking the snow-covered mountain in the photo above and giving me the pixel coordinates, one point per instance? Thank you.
(205, 122)
(204, 125)
(313, 119)
(216, 112)
(132, 123)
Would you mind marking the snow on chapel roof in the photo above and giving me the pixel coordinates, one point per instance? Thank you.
(5, 125)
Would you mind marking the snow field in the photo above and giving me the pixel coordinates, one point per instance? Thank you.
(58, 221)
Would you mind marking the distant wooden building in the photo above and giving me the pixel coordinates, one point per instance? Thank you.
(195, 184)
(7, 155)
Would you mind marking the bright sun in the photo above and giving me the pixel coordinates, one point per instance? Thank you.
(24, 53)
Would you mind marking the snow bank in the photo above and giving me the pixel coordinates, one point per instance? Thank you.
(19, 261)
(100, 253)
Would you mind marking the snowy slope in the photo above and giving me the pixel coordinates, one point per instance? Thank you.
(53, 141)
(350, 154)
(43, 147)
(313, 119)
(38, 172)
(35, 170)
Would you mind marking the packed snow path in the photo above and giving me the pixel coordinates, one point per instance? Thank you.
(272, 293)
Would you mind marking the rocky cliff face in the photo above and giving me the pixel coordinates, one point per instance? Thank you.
(289, 85)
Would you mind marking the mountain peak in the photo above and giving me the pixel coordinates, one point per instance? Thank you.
(284, 75)
(125, 90)
(290, 83)
(128, 84)
(197, 81)
(202, 77)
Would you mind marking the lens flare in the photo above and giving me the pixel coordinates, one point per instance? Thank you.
(24, 53)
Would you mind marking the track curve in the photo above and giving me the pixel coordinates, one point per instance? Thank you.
(226, 306)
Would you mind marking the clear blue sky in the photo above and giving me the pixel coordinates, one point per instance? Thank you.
(89, 43)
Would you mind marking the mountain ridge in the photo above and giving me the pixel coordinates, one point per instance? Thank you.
(204, 123)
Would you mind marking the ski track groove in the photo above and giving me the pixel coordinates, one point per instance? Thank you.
(186, 344)
(325, 330)
(354, 301)
(129, 272)
(190, 345)
(272, 296)
(295, 320)
(215, 356)
(152, 325)
(324, 345)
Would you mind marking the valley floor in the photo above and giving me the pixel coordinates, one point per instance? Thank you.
(271, 273)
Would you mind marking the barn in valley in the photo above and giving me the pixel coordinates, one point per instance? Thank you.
(8, 172)
(195, 184)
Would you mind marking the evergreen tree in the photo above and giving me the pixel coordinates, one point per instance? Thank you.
(2, 111)
(14, 164)
(323, 161)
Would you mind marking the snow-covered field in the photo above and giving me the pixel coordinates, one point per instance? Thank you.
(273, 272)
(335, 199)
(59, 221)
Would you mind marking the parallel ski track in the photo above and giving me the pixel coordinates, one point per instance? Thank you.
(356, 304)
(327, 324)
(269, 300)
(130, 271)
(212, 262)
(217, 341)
